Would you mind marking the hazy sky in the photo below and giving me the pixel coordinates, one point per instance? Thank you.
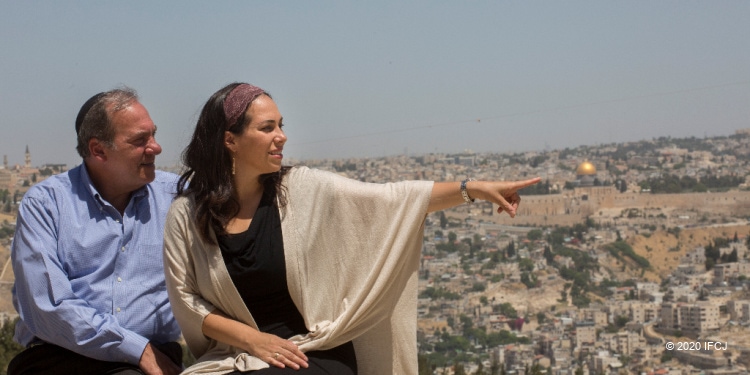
(385, 77)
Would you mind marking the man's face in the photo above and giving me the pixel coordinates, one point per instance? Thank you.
(130, 161)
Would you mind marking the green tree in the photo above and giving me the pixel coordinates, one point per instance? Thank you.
(8, 347)
(467, 322)
(505, 309)
(529, 279)
(534, 235)
(666, 356)
(548, 254)
(495, 367)
(536, 369)
(452, 237)
(424, 365)
(526, 264)
(510, 250)
(541, 317)
(732, 258)
(478, 287)
(710, 263)
(480, 368)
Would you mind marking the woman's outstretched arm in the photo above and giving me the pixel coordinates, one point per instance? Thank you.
(503, 193)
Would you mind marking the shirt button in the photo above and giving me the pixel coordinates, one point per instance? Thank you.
(118, 309)
(122, 249)
(119, 279)
(117, 220)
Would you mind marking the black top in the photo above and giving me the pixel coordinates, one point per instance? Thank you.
(255, 261)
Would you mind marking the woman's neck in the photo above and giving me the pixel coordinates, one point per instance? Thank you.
(248, 195)
(249, 192)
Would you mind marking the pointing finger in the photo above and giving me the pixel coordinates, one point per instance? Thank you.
(518, 185)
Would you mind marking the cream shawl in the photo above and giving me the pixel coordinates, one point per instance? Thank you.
(352, 254)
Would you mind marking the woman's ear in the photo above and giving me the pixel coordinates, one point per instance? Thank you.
(229, 142)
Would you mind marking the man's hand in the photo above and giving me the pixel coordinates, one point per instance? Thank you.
(154, 362)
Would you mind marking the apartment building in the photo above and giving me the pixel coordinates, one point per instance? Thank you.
(585, 334)
(739, 310)
(643, 312)
(694, 317)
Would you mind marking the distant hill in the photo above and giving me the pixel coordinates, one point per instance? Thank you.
(664, 250)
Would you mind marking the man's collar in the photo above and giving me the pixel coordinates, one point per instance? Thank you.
(89, 184)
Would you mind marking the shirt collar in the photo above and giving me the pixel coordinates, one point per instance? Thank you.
(100, 201)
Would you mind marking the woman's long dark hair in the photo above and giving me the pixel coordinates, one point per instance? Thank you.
(208, 168)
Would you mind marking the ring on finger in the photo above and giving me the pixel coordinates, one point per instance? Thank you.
(276, 355)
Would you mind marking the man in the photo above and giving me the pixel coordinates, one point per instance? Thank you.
(87, 253)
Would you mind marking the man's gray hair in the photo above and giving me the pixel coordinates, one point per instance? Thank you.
(97, 121)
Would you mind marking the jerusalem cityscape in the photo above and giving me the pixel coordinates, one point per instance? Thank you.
(626, 258)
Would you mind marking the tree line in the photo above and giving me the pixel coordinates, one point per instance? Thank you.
(671, 184)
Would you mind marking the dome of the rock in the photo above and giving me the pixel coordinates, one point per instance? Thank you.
(586, 169)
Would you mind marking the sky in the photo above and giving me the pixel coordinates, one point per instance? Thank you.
(380, 78)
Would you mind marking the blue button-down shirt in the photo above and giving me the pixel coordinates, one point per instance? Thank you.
(87, 278)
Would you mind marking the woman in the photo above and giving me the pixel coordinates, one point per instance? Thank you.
(273, 269)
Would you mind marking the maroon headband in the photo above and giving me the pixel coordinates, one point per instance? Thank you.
(237, 101)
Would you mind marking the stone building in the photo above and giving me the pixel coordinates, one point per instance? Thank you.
(585, 334)
(699, 317)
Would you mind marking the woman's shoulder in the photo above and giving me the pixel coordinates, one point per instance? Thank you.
(310, 179)
(298, 173)
(183, 204)
(183, 200)
(303, 172)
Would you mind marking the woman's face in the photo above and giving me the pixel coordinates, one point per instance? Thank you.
(258, 149)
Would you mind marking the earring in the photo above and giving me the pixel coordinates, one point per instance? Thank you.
(232, 165)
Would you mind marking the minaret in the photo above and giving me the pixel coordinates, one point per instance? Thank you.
(28, 157)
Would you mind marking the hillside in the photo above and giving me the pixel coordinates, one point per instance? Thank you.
(6, 281)
(663, 250)
(6, 272)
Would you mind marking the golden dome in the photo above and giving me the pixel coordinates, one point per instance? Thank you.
(586, 169)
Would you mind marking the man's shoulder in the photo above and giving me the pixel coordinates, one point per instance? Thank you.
(53, 185)
(164, 176)
(165, 182)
